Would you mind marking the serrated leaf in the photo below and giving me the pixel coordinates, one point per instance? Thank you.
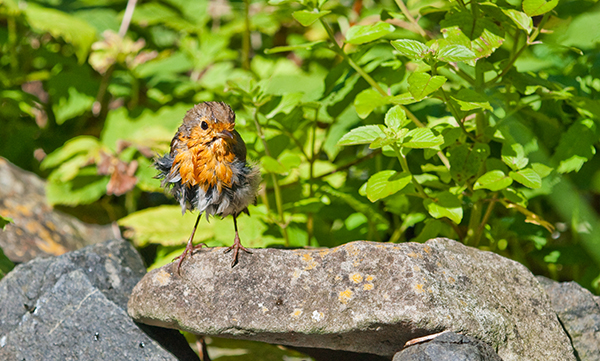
(360, 34)
(454, 53)
(494, 180)
(411, 48)
(527, 177)
(395, 118)
(422, 138)
(541, 169)
(446, 205)
(521, 19)
(306, 18)
(422, 84)
(386, 183)
(538, 7)
(367, 100)
(381, 142)
(481, 35)
(513, 155)
(465, 162)
(362, 135)
(469, 99)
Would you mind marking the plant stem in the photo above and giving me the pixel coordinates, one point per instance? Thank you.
(405, 169)
(276, 188)
(410, 18)
(127, 17)
(246, 37)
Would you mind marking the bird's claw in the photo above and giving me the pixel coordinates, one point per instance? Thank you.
(236, 248)
(190, 248)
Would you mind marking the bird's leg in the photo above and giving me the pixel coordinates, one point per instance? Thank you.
(237, 244)
(190, 245)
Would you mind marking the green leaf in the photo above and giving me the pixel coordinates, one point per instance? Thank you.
(86, 188)
(494, 180)
(62, 25)
(5, 264)
(362, 135)
(454, 53)
(395, 118)
(386, 183)
(422, 138)
(367, 100)
(527, 177)
(542, 169)
(576, 146)
(4, 221)
(521, 19)
(481, 35)
(360, 34)
(357, 205)
(306, 17)
(271, 165)
(85, 144)
(304, 46)
(411, 48)
(513, 155)
(466, 162)
(445, 205)
(422, 84)
(538, 7)
(469, 99)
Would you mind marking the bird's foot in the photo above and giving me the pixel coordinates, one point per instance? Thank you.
(190, 248)
(237, 245)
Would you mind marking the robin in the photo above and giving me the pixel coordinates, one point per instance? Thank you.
(207, 170)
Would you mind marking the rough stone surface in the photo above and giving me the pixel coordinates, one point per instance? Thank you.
(449, 346)
(360, 297)
(72, 307)
(37, 229)
(579, 311)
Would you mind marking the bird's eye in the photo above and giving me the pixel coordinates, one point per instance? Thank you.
(204, 125)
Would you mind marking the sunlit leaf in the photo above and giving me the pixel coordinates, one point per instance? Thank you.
(421, 85)
(386, 183)
(367, 100)
(360, 34)
(513, 155)
(422, 138)
(306, 17)
(411, 48)
(469, 99)
(527, 177)
(362, 135)
(395, 118)
(453, 53)
(86, 188)
(494, 180)
(538, 7)
(305, 46)
(447, 205)
(523, 21)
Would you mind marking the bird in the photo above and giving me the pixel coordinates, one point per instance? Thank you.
(206, 170)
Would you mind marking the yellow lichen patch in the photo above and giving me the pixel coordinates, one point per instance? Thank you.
(368, 286)
(297, 312)
(427, 249)
(50, 226)
(419, 288)
(414, 255)
(351, 250)
(345, 296)
(356, 277)
(297, 273)
(451, 280)
(369, 278)
(416, 268)
(162, 277)
(307, 257)
(24, 210)
(355, 263)
(323, 252)
(49, 246)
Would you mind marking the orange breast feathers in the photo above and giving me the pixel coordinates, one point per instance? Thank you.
(205, 164)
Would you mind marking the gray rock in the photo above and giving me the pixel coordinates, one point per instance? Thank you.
(449, 346)
(579, 312)
(360, 297)
(72, 307)
(38, 230)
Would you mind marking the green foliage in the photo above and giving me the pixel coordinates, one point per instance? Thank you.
(476, 121)
(5, 264)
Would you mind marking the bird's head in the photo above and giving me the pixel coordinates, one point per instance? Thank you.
(210, 124)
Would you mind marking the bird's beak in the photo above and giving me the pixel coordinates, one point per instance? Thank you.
(225, 134)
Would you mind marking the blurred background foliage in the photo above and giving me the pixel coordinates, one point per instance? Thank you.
(387, 121)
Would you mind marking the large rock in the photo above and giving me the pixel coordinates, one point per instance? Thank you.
(449, 346)
(37, 229)
(579, 312)
(72, 307)
(361, 297)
